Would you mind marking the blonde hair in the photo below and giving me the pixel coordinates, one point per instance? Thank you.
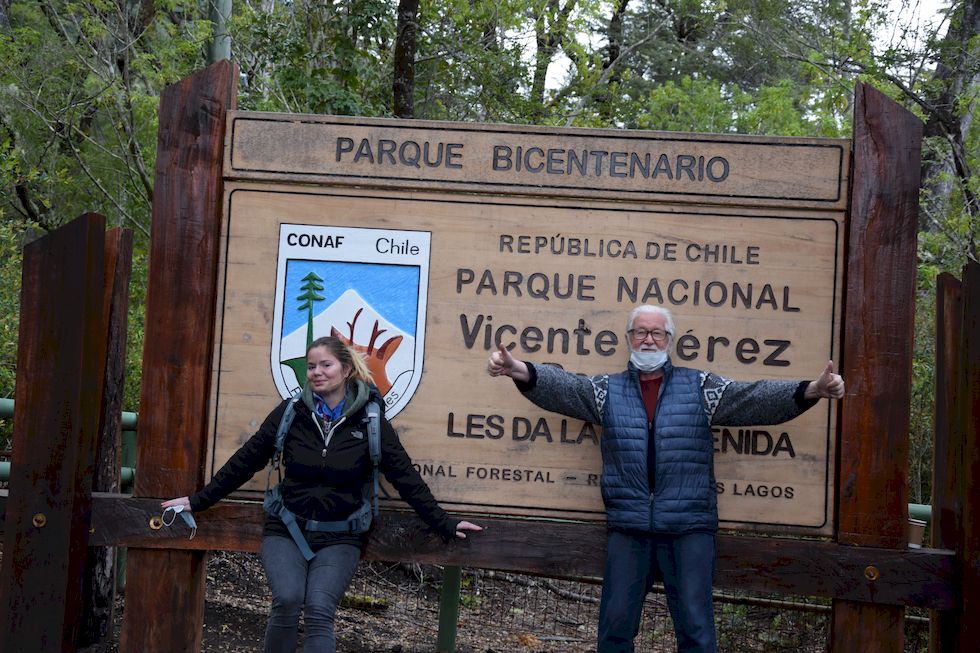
(346, 355)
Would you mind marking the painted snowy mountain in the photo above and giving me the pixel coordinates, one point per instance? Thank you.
(389, 351)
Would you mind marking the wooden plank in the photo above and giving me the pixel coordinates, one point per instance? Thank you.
(871, 627)
(793, 567)
(967, 431)
(100, 570)
(729, 169)
(947, 509)
(947, 471)
(177, 351)
(877, 352)
(60, 359)
(485, 275)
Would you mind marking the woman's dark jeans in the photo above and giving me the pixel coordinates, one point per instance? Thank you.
(314, 588)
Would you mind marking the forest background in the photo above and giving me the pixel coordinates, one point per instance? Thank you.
(80, 83)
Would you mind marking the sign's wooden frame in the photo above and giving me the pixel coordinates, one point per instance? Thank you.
(488, 197)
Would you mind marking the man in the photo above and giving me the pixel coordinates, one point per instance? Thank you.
(661, 503)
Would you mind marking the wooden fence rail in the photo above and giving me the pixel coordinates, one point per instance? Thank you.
(913, 577)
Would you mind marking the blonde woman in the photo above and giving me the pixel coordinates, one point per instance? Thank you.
(328, 475)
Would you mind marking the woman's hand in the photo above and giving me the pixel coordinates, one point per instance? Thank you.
(184, 502)
(464, 526)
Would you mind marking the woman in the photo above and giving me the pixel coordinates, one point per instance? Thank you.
(328, 475)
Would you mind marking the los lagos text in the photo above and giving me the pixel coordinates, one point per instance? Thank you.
(760, 490)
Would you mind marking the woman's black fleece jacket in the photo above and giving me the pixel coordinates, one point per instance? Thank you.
(326, 484)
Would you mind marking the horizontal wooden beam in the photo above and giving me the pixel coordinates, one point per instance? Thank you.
(915, 577)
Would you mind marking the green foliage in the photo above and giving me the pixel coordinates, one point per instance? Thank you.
(693, 104)
(922, 407)
(706, 105)
(78, 98)
(135, 329)
(331, 58)
(775, 110)
(79, 92)
(471, 61)
(12, 238)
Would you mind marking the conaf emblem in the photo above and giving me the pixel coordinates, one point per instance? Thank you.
(367, 287)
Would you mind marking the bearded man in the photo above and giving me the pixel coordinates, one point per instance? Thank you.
(658, 482)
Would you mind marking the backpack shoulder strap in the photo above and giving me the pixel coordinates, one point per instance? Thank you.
(374, 444)
(374, 431)
(286, 422)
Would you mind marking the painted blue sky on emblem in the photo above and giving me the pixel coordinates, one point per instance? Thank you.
(392, 290)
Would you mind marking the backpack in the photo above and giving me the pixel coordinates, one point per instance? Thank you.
(360, 521)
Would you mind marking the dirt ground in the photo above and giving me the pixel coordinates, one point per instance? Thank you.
(390, 608)
(394, 608)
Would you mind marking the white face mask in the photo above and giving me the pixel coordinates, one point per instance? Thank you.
(648, 361)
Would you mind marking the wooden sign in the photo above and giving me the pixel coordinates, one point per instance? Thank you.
(534, 160)
(425, 244)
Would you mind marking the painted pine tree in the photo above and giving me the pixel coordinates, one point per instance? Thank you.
(312, 286)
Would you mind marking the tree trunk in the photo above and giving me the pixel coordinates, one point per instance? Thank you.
(956, 72)
(614, 47)
(406, 43)
(549, 35)
(220, 46)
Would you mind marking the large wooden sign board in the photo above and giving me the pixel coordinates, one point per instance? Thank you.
(427, 243)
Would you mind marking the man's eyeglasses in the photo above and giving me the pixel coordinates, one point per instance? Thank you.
(641, 334)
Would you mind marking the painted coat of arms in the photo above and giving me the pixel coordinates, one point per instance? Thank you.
(367, 287)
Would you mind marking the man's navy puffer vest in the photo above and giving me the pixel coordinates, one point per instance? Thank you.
(684, 499)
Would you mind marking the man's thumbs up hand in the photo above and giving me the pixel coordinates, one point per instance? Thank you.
(828, 385)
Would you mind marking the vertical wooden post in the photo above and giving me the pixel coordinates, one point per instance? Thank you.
(452, 583)
(165, 589)
(947, 456)
(100, 577)
(877, 354)
(60, 369)
(965, 428)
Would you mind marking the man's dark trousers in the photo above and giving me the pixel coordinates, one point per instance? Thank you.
(685, 564)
